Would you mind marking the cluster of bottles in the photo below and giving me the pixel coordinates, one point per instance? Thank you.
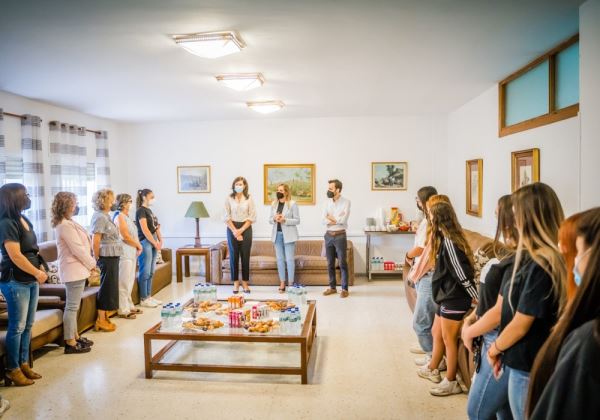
(170, 316)
(204, 292)
(297, 295)
(377, 263)
(290, 321)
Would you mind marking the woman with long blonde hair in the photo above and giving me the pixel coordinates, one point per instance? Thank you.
(532, 298)
(453, 289)
(285, 218)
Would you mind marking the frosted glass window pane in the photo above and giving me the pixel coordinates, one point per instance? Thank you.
(567, 77)
(527, 96)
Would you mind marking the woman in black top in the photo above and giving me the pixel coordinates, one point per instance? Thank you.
(488, 398)
(565, 379)
(22, 270)
(453, 289)
(530, 301)
(151, 240)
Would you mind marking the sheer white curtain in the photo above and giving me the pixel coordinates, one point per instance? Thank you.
(2, 150)
(68, 163)
(102, 161)
(33, 173)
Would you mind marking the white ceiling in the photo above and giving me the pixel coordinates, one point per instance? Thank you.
(323, 58)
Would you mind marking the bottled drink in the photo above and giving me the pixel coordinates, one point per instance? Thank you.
(164, 317)
(196, 293)
(283, 321)
(304, 293)
(172, 314)
(178, 314)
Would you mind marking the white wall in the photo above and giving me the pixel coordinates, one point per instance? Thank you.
(12, 127)
(340, 147)
(589, 30)
(473, 134)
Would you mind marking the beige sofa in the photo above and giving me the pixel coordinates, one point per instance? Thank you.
(311, 264)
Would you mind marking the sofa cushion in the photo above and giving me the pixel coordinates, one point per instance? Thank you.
(48, 251)
(312, 262)
(45, 320)
(256, 263)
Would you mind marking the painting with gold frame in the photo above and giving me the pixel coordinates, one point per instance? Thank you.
(389, 176)
(474, 183)
(193, 179)
(300, 178)
(525, 168)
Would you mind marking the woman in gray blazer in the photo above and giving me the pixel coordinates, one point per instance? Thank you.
(285, 218)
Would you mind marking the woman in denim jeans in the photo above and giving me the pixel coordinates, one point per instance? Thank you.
(22, 272)
(488, 397)
(285, 218)
(151, 240)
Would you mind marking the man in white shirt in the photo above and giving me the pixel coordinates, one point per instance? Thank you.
(335, 217)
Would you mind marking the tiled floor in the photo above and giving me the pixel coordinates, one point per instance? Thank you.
(361, 370)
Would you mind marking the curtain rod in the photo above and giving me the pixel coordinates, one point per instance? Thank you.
(10, 114)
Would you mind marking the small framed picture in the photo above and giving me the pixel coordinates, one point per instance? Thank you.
(474, 187)
(193, 179)
(525, 168)
(389, 176)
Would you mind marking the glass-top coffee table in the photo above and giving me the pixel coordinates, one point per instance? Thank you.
(192, 349)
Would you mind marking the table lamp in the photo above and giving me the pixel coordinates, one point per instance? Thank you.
(197, 210)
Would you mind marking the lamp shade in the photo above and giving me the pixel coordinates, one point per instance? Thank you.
(197, 210)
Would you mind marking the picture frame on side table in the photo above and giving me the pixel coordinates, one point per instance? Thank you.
(525, 166)
(389, 176)
(474, 187)
(300, 177)
(193, 179)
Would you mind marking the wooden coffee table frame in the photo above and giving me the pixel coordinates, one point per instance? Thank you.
(306, 339)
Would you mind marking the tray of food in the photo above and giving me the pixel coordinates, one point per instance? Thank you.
(204, 324)
(265, 326)
(279, 305)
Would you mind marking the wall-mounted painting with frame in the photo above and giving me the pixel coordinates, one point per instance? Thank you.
(474, 185)
(193, 179)
(299, 177)
(525, 168)
(389, 176)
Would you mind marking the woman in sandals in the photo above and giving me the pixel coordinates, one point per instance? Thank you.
(132, 248)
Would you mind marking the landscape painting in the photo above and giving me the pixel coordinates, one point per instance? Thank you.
(193, 179)
(299, 177)
(389, 176)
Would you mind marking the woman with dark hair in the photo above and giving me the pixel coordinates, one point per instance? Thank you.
(565, 379)
(75, 264)
(240, 213)
(23, 270)
(151, 240)
(488, 397)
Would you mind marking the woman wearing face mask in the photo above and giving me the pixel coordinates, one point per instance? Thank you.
(75, 264)
(131, 250)
(240, 213)
(151, 240)
(285, 218)
(565, 379)
(567, 236)
(23, 270)
(107, 249)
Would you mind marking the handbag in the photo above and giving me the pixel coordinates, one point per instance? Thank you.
(94, 279)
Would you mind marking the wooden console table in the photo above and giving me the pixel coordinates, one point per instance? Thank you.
(185, 253)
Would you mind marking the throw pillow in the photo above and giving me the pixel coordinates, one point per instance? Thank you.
(159, 258)
(53, 277)
(480, 259)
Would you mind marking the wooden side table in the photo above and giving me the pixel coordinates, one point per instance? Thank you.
(185, 253)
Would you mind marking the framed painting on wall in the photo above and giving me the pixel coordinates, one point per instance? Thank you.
(389, 176)
(193, 179)
(299, 177)
(525, 168)
(474, 186)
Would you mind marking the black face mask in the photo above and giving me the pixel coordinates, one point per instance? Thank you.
(114, 207)
(27, 204)
(330, 194)
(76, 211)
(279, 195)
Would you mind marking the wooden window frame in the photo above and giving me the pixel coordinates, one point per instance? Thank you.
(553, 114)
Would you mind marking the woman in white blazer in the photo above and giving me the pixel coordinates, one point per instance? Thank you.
(285, 218)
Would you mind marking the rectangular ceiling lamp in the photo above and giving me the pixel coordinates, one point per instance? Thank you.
(211, 44)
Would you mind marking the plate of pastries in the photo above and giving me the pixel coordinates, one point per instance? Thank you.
(279, 305)
(208, 306)
(265, 326)
(204, 324)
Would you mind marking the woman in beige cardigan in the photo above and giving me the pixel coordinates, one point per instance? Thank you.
(75, 263)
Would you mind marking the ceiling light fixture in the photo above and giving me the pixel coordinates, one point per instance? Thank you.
(211, 44)
(265, 107)
(240, 82)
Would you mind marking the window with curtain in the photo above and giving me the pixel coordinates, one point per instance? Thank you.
(102, 161)
(68, 164)
(33, 173)
(543, 92)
